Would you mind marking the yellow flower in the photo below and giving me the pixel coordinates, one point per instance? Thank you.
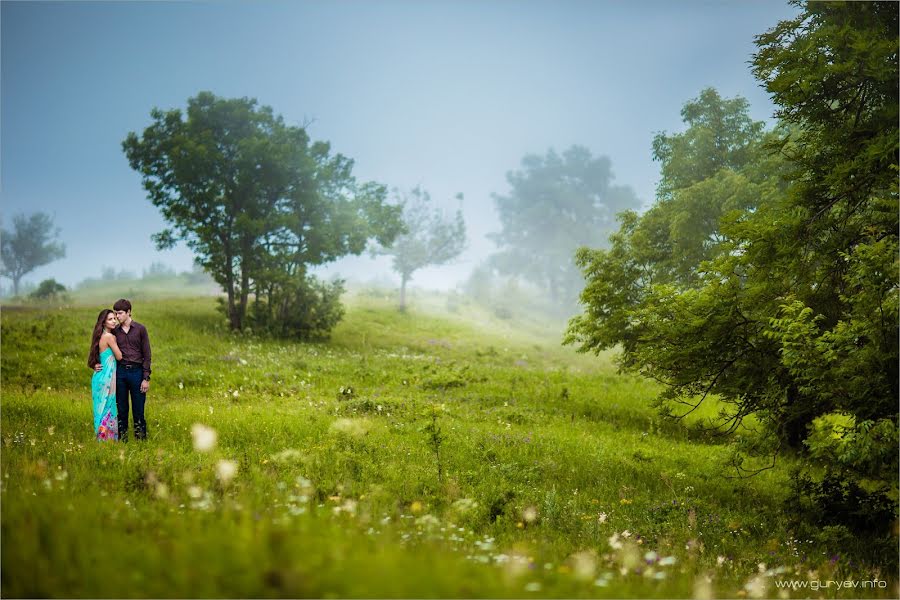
(624, 501)
(416, 507)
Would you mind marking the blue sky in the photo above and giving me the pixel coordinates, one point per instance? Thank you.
(446, 94)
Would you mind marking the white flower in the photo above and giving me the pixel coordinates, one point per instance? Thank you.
(226, 470)
(530, 514)
(720, 560)
(601, 518)
(614, 542)
(626, 534)
(350, 427)
(204, 437)
(757, 587)
(584, 564)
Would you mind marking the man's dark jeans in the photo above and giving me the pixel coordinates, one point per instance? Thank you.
(129, 380)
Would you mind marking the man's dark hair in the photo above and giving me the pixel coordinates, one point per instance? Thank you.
(122, 304)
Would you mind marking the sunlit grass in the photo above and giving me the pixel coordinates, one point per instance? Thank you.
(557, 477)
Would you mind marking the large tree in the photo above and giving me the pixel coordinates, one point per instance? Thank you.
(555, 204)
(256, 200)
(31, 244)
(792, 316)
(430, 238)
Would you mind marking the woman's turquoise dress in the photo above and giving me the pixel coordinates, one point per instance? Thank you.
(103, 393)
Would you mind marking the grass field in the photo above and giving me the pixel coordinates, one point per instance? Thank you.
(431, 453)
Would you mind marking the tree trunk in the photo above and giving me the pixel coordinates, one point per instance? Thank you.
(403, 279)
(233, 319)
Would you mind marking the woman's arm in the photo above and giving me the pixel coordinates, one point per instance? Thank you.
(111, 342)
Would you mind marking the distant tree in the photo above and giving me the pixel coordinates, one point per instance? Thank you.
(48, 289)
(556, 204)
(255, 199)
(791, 315)
(430, 238)
(158, 270)
(31, 244)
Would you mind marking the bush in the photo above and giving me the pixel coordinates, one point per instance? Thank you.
(303, 308)
(49, 289)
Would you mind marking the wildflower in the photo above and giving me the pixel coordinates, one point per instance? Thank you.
(351, 427)
(624, 501)
(195, 491)
(235, 393)
(416, 507)
(180, 385)
(668, 560)
(287, 455)
(720, 560)
(584, 564)
(533, 586)
(757, 587)
(51, 429)
(703, 589)
(601, 518)
(530, 514)
(428, 521)
(162, 491)
(614, 542)
(650, 556)
(204, 437)
(626, 534)
(226, 470)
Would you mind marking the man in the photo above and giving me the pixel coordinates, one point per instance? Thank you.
(133, 372)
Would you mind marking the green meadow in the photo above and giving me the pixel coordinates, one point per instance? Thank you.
(438, 452)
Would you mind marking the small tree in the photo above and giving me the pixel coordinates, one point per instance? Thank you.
(430, 238)
(31, 244)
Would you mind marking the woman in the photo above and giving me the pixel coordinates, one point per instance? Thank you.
(105, 350)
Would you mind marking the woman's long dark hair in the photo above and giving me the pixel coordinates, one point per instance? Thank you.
(94, 355)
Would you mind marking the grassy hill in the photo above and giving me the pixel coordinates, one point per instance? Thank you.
(432, 453)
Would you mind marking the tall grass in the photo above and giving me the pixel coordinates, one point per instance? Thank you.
(557, 478)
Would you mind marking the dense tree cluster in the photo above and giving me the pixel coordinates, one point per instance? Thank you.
(766, 274)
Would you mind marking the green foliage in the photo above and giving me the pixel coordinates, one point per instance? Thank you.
(254, 198)
(305, 309)
(556, 204)
(30, 244)
(783, 304)
(49, 289)
(429, 238)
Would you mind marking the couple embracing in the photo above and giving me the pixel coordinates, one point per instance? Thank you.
(120, 357)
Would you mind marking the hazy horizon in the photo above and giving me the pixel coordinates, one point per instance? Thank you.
(448, 95)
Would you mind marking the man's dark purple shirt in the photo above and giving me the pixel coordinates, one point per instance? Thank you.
(135, 345)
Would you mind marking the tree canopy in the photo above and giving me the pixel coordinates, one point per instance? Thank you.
(256, 200)
(555, 204)
(785, 304)
(31, 244)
